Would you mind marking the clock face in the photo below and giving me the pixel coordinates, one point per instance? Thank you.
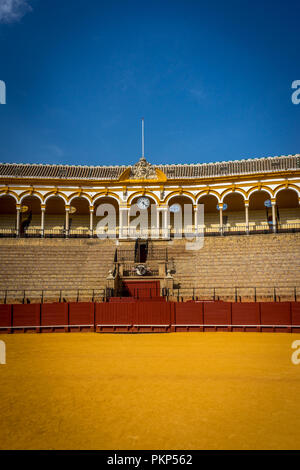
(143, 203)
(175, 208)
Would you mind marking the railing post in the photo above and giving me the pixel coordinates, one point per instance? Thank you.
(295, 294)
(235, 294)
(5, 296)
(254, 294)
(274, 295)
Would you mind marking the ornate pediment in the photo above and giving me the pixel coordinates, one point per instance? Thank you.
(141, 171)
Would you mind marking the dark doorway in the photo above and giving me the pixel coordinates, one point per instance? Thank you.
(141, 251)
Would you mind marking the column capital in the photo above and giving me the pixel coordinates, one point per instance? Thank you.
(273, 201)
(67, 207)
(246, 202)
(92, 208)
(18, 207)
(43, 207)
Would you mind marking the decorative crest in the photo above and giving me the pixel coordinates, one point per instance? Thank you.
(143, 170)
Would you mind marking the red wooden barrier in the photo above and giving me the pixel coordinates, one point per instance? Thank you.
(148, 316)
(55, 316)
(274, 314)
(110, 317)
(26, 316)
(217, 316)
(188, 316)
(81, 315)
(152, 316)
(142, 289)
(5, 318)
(295, 316)
(244, 315)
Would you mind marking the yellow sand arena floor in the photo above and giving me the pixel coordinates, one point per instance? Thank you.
(155, 391)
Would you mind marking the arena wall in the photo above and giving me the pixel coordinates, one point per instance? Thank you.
(145, 316)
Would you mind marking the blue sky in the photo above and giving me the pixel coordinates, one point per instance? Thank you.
(212, 80)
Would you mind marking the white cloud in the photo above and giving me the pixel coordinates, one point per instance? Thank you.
(13, 10)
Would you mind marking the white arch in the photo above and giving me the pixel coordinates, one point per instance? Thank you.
(83, 196)
(181, 195)
(11, 195)
(31, 195)
(283, 188)
(233, 192)
(209, 194)
(101, 196)
(256, 190)
(61, 196)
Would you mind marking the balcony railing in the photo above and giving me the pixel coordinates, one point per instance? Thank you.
(208, 231)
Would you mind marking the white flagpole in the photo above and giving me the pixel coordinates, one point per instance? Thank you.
(143, 148)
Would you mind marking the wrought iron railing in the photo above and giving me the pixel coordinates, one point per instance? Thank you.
(53, 295)
(235, 293)
(205, 231)
(179, 294)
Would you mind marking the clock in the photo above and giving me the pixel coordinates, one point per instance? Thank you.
(175, 208)
(143, 203)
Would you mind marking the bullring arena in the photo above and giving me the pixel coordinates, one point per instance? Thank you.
(142, 339)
